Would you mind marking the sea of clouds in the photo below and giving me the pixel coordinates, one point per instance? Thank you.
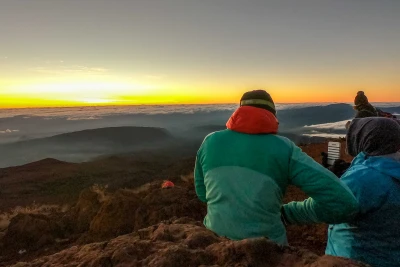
(98, 112)
(310, 119)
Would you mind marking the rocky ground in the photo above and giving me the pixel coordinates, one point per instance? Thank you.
(185, 242)
(151, 226)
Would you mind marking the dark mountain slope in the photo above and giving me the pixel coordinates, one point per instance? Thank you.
(84, 145)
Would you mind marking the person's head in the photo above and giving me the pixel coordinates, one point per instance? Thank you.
(360, 99)
(258, 99)
(374, 136)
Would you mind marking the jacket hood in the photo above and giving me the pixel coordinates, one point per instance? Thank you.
(252, 120)
(373, 136)
(387, 164)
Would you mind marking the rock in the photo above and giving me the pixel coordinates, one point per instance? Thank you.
(31, 231)
(331, 261)
(173, 244)
(82, 214)
(2, 234)
(128, 210)
(164, 204)
(116, 215)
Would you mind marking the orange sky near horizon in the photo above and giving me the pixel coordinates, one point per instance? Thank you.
(76, 53)
(66, 86)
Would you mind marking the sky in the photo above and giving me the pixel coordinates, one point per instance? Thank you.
(101, 52)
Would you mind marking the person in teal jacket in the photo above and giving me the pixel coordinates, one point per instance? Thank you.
(242, 174)
(373, 234)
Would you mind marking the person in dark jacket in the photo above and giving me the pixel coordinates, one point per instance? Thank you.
(373, 234)
(363, 107)
(339, 167)
(324, 160)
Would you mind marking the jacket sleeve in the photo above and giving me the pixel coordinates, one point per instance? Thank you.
(199, 180)
(331, 201)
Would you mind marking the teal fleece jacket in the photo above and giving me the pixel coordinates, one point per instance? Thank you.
(243, 178)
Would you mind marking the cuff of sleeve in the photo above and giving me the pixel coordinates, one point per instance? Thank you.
(283, 216)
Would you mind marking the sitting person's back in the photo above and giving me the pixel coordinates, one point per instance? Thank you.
(242, 174)
(373, 236)
(363, 107)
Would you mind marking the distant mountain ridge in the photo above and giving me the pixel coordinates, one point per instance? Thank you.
(295, 119)
(125, 136)
(84, 145)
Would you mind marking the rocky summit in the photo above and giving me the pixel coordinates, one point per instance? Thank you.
(185, 242)
(148, 226)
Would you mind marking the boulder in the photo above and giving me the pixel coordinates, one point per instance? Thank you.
(164, 204)
(82, 214)
(31, 231)
(116, 215)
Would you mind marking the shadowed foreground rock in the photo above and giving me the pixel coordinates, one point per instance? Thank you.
(185, 242)
(116, 216)
(31, 231)
(126, 211)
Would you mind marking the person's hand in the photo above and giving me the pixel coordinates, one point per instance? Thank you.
(347, 125)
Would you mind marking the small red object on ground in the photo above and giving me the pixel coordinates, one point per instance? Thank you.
(167, 184)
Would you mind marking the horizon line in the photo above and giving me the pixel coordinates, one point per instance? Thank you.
(175, 104)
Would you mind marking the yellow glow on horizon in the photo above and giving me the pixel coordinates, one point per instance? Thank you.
(95, 101)
(110, 92)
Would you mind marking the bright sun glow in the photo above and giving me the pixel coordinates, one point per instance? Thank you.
(72, 93)
(96, 100)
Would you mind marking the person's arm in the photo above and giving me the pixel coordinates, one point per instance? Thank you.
(199, 180)
(331, 201)
(368, 189)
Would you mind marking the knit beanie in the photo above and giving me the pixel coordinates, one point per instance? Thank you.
(258, 99)
(361, 99)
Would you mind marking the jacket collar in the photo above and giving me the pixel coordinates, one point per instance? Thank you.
(252, 120)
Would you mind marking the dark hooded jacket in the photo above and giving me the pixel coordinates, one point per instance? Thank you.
(366, 110)
(373, 236)
(373, 136)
